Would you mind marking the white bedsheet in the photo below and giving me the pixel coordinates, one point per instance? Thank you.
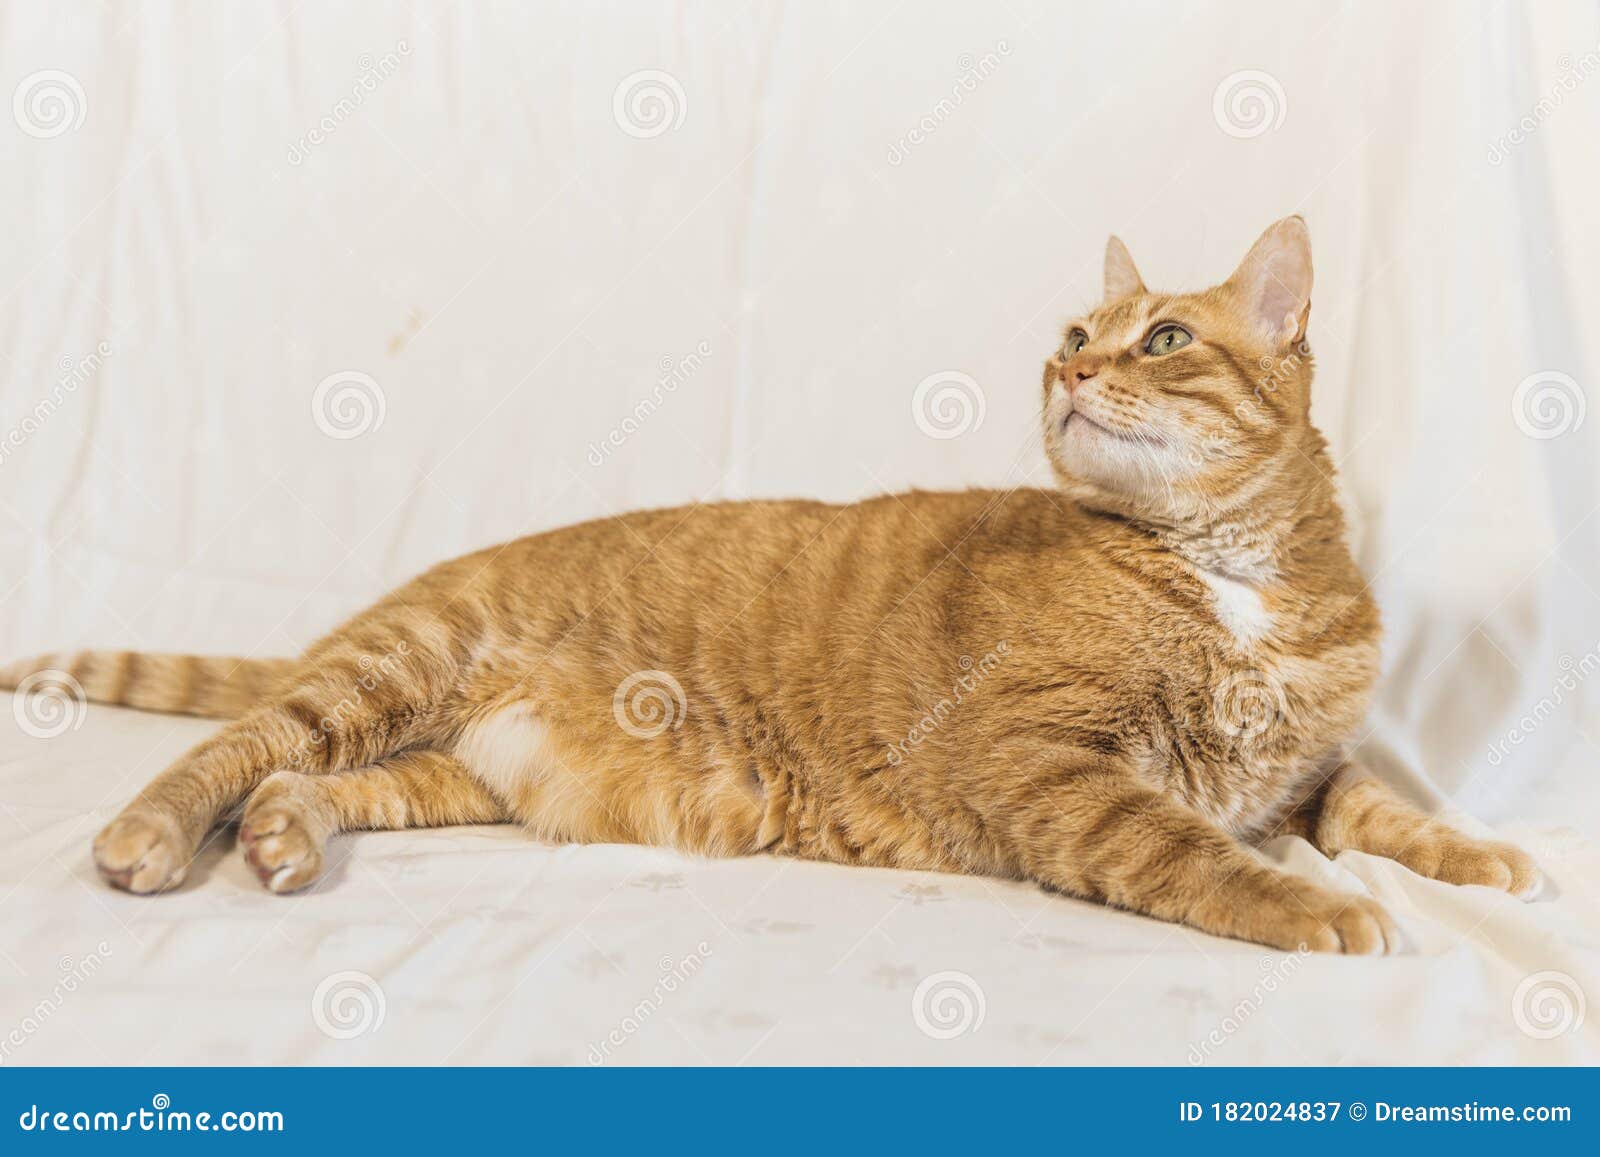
(457, 214)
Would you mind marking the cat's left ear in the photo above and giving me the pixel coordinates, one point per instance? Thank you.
(1122, 277)
(1274, 282)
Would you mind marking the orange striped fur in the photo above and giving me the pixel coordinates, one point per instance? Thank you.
(1114, 688)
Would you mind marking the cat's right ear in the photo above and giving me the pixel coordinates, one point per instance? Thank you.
(1122, 276)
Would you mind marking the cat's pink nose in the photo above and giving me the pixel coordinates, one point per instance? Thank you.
(1081, 370)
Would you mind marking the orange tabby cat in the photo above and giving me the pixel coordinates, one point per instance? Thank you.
(1113, 688)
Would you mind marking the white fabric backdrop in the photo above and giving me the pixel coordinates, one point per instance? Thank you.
(457, 213)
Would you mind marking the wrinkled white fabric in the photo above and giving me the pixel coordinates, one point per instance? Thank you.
(537, 287)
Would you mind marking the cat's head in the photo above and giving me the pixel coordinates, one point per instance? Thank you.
(1181, 406)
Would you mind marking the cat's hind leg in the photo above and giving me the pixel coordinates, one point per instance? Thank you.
(343, 711)
(290, 817)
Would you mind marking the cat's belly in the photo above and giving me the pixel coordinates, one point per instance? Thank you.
(571, 786)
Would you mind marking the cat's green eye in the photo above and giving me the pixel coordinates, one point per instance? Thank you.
(1166, 339)
(1076, 340)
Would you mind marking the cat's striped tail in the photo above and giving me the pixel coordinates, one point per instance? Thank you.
(211, 686)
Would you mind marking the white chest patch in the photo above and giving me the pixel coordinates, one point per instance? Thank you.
(1238, 607)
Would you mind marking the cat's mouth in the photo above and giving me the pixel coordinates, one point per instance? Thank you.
(1083, 419)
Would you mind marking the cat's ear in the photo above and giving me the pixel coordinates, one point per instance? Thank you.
(1274, 282)
(1122, 276)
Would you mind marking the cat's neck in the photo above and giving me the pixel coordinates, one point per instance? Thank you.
(1292, 513)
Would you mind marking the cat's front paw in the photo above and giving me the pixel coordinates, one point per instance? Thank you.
(1455, 858)
(1297, 915)
(143, 852)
